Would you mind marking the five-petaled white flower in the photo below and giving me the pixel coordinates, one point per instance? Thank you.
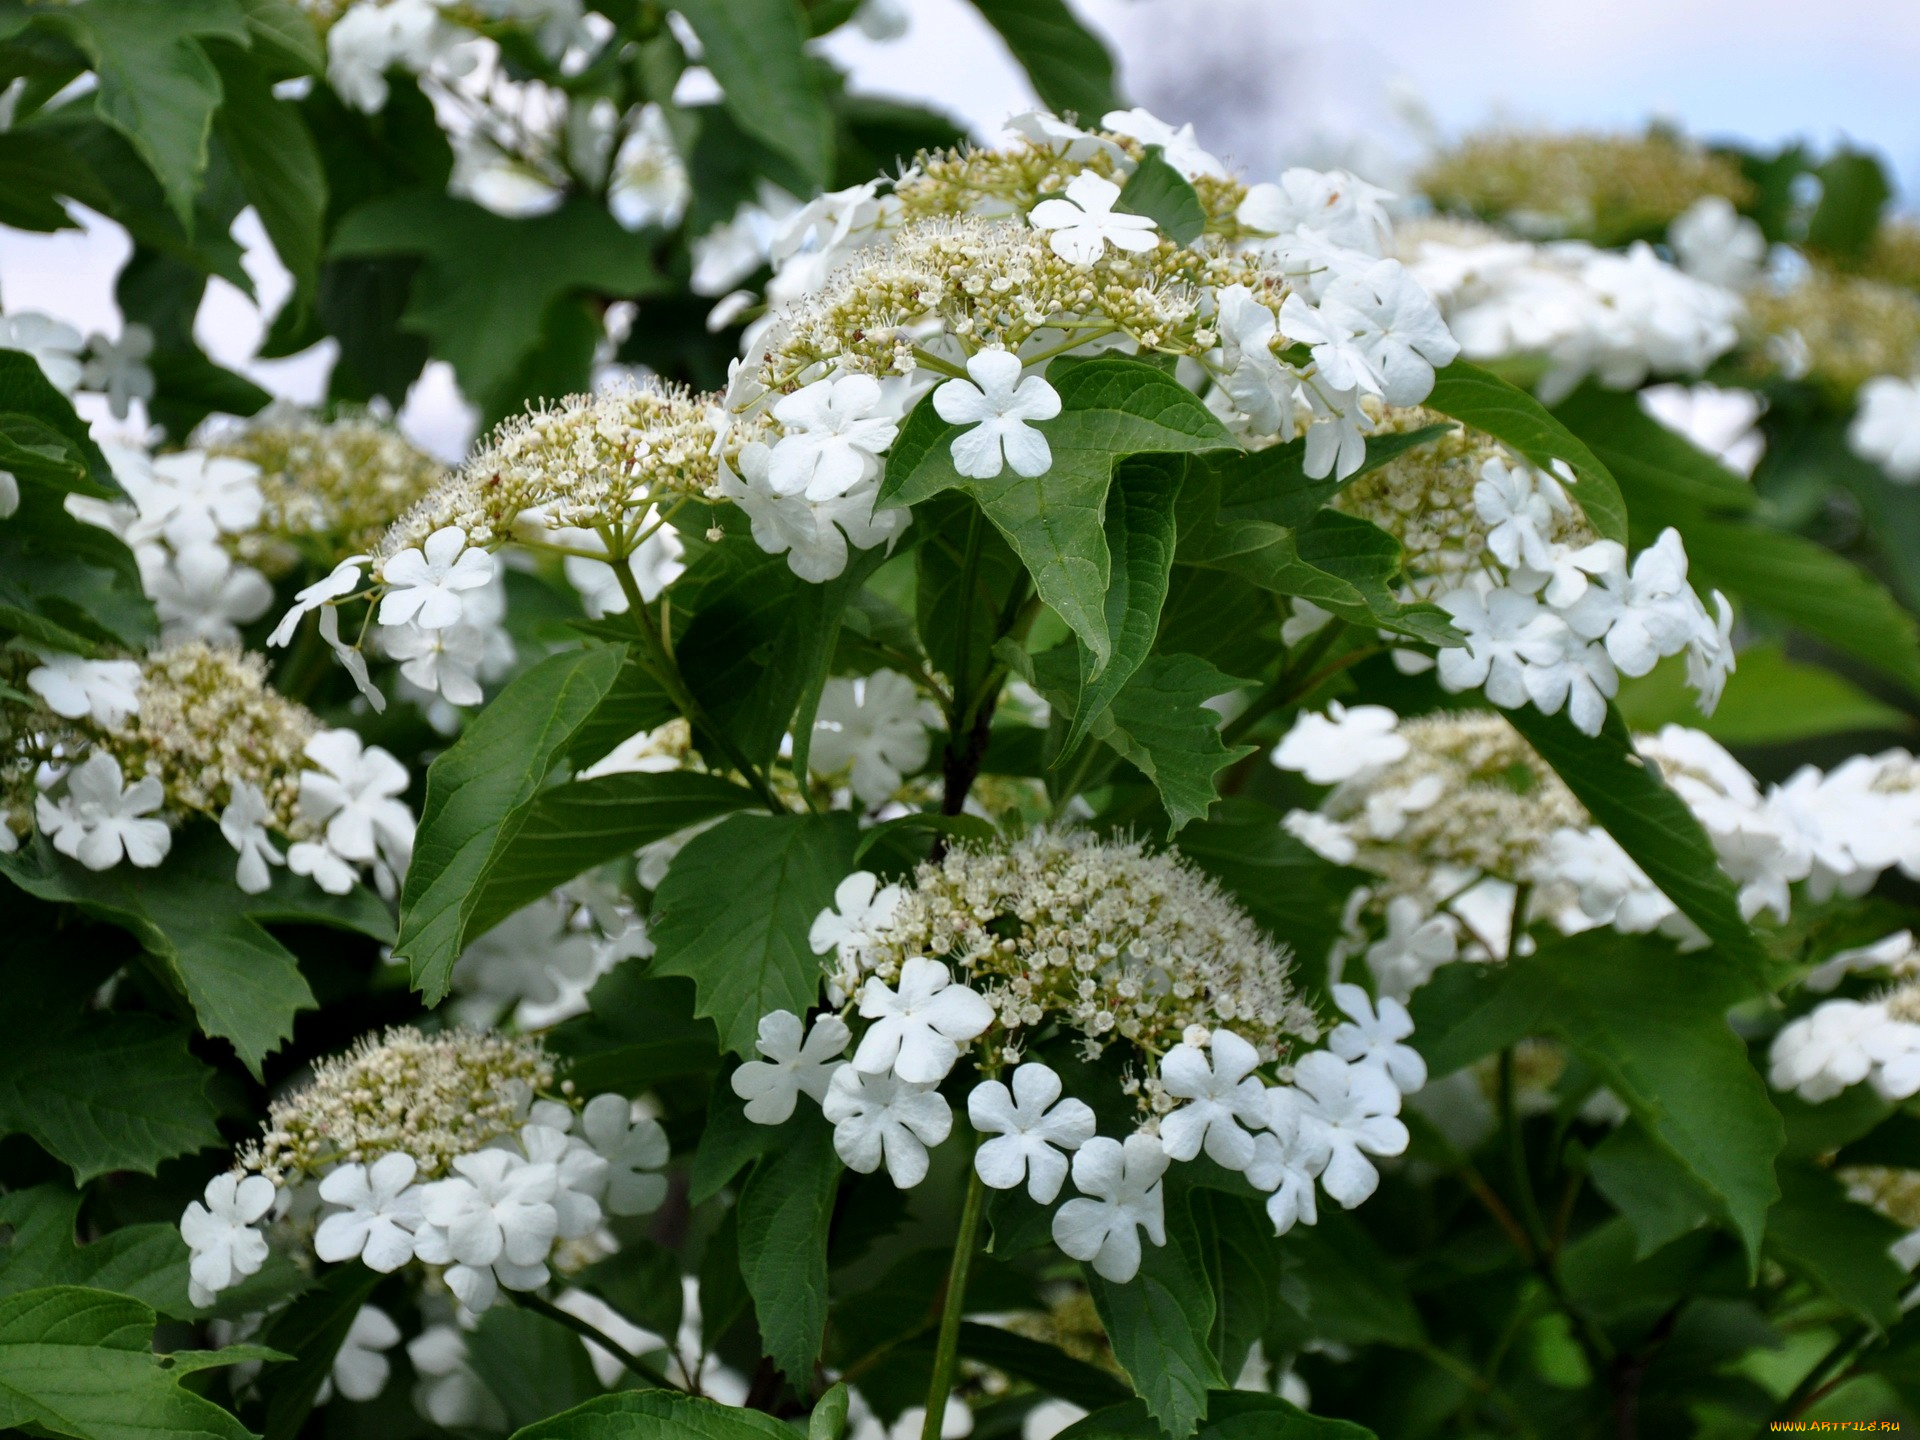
(1506, 631)
(1121, 1195)
(875, 724)
(997, 403)
(878, 1117)
(380, 1210)
(771, 1087)
(1644, 615)
(583, 1171)
(202, 593)
(1415, 945)
(862, 906)
(1371, 1035)
(424, 585)
(107, 690)
(1332, 333)
(339, 582)
(1343, 743)
(359, 1369)
(1221, 1097)
(225, 1247)
(198, 497)
(99, 820)
(243, 823)
(634, 1151)
(352, 794)
(493, 1222)
(1396, 326)
(1287, 1155)
(837, 438)
(1031, 1126)
(1355, 1110)
(918, 1029)
(1517, 513)
(118, 369)
(1083, 223)
(318, 862)
(1886, 428)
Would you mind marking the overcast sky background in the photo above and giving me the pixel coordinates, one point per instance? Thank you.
(1266, 83)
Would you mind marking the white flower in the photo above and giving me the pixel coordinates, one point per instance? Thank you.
(1347, 211)
(655, 565)
(341, 581)
(918, 1029)
(1050, 1418)
(1179, 147)
(1827, 1049)
(648, 185)
(1222, 1096)
(1257, 383)
(1506, 632)
(9, 494)
(1710, 655)
(1570, 570)
(1612, 888)
(1345, 742)
(1643, 616)
(1372, 1036)
(793, 1065)
(425, 588)
(1518, 515)
(1030, 1131)
(634, 1150)
(583, 1171)
(203, 594)
(1355, 1109)
(1121, 1195)
(877, 725)
(837, 434)
(1723, 422)
(1332, 333)
(1891, 952)
(369, 40)
(1886, 428)
(1047, 131)
(1287, 1156)
(1305, 619)
(1581, 678)
(493, 1222)
(99, 819)
(1083, 221)
(1329, 839)
(197, 497)
(54, 345)
(379, 1211)
(107, 690)
(243, 823)
(814, 537)
(997, 403)
(449, 1393)
(444, 662)
(862, 908)
(1396, 326)
(1716, 243)
(118, 368)
(360, 1370)
(883, 1116)
(352, 794)
(1416, 944)
(1336, 440)
(225, 1247)
(327, 869)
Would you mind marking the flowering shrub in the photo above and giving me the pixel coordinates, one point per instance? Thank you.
(1046, 790)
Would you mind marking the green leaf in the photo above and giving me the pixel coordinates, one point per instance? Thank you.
(829, 1418)
(205, 933)
(1051, 1369)
(35, 172)
(1653, 1024)
(1506, 412)
(1255, 493)
(480, 792)
(1661, 473)
(1159, 1321)
(786, 1209)
(80, 1363)
(753, 48)
(1841, 1247)
(1769, 700)
(284, 37)
(276, 161)
(1242, 1259)
(147, 1262)
(571, 828)
(1111, 407)
(157, 86)
(1071, 71)
(312, 1330)
(1653, 825)
(656, 1415)
(961, 827)
(1355, 1294)
(1162, 194)
(1853, 192)
(1140, 538)
(959, 609)
(534, 1366)
(487, 283)
(1649, 1187)
(734, 912)
(1231, 1415)
(639, 1031)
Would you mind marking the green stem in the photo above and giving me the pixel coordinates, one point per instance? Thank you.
(946, 1355)
(933, 362)
(529, 1301)
(661, 663)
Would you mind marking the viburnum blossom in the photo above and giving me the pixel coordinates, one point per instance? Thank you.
(1221, 1096)
(1121, 1195)
(793, 1065)
(999, 407)
(879, 1116)
(920, 1026)
(1082, 222)
(1033, 1131)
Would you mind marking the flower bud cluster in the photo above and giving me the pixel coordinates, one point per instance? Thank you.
(1839, 331)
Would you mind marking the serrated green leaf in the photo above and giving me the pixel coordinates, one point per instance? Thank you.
(284, 37)
(786, 1211)
(80, 1363)
(1355, 1294)
(753, 48)
(1071, 71)
(1486, 402)
(1140, 538)
(1111, 407)
(1242, 1259)
(828, 1420)
(656, 1415)
(1650, 1188)
(734, 912)
(480, 792)
(1159, 1321)
(960, 610)
(147, 1262)
(275, 158)
(205, 933)
(1629, 798)
(1231, 1415)
(1654, 1026)
(1842, 1247)
(1165, 196)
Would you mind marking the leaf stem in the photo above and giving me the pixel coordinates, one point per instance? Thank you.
(529, 1301)
(946, 1355)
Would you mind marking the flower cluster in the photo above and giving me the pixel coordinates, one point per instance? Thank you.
(449, 1150)
(1608, 188)
(1837, 331)
(1552, 614)
(993, 947)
